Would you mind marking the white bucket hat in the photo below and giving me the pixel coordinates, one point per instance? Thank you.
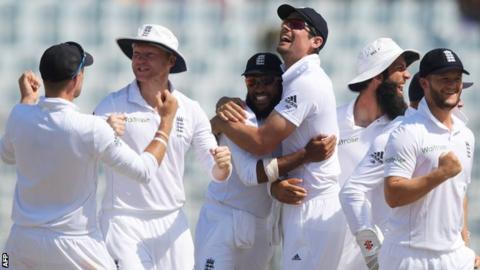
(378, 56)
(155, 35)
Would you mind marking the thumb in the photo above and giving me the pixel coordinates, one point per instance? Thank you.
(212, 151)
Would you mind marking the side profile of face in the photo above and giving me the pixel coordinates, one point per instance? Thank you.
(295, 40)
(263, 93)
(443, 90)
(150, 62)
(398, 73)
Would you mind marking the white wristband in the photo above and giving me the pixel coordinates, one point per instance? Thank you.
(161, 140)
(270, 165)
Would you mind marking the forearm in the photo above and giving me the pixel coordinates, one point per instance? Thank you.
(465, 231)
(285, 165)
(249, 138)
(158, 146)
(400, 191)
(357, 209)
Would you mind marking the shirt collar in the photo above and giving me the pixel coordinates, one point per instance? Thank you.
(134, 95)
(458, 118)
(300, 66)
(56, 104)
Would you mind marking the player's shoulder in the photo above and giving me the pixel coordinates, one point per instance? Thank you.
(114, 97)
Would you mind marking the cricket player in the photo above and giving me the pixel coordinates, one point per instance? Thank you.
(56, 150)
(360, 121)
(144, 225)
(234, 230)
(311, 237)
(428, 162)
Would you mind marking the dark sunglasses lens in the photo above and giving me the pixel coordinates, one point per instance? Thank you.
(267, 80)
(296, 24)
(250, 81)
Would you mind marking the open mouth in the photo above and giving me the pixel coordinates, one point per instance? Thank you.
(285, 38)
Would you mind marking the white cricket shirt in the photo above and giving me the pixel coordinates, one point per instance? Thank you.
(435, 221)
(165, 193)
(362, 196)
(238, 192)
(308, 102)
(56, 149)
(354, 140)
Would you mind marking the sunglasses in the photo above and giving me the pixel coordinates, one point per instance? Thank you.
(82, 53)
(299, 24)
(263, 81)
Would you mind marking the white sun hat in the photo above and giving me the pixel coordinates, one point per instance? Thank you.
(156, 35)
(378, 56)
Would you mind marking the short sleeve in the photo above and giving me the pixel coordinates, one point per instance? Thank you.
(401, 153)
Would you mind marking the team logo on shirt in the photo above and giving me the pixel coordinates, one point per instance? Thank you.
(468, 149)
(395, 159)
(179, 126)
(296, 258)
(376, 157)
(136, 119)
(291, 102)
(348, 140)
(433, 148)
(210, 264)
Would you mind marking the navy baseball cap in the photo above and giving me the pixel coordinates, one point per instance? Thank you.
(63, 61)
(263, 63)
(440, 60)
(310, 16)
(415, 90)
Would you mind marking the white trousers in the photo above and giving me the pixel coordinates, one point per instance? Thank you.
(404, 258)
(43, 249)
(141, 242)
(227, 239)
(313, 234)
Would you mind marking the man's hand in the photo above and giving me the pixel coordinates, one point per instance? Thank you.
(117, 122)
(449, 164)
(167, 104)
(320, 148)
(288, 191)
(223, 163)
(29, 85)
(224, 100)
(477, 262)
(222, 157)
(231, 111)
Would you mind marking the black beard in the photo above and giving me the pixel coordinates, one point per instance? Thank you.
(262, 114)
(391, 103)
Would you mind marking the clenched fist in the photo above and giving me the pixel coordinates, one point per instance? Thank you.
(449, 164)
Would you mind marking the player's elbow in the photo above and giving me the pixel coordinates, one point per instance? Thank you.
(391, 198)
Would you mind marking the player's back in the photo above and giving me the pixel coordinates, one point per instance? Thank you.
(54, 149)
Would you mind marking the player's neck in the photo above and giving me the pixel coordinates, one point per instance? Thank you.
(444, 116)
(366, 109)
(149, 89)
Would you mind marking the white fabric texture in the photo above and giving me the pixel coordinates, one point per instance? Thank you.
(413, 150)
(217, 236)
(56, 150)
(43, 249)
(148, 241)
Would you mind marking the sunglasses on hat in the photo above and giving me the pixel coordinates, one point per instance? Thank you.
(82, 53)
(263, 81)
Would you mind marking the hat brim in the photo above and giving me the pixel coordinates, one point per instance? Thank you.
(261, 72)
(467, 85)
(88, 60)
(410, 57)
(125, 45)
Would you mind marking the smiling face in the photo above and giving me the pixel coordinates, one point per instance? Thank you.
(444, 89)
(398, 73)
(150, 62)
(294, 43)
(264, 92)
